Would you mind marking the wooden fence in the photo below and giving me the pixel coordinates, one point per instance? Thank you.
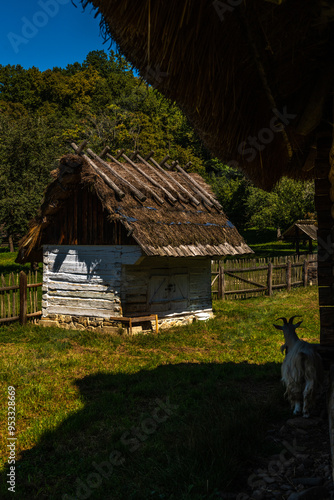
(244, 278)
(19, 297)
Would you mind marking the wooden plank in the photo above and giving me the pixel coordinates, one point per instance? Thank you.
(326, 296)
(221, 281)
(245, 280)
(23, 298)
(246, 290)
(247, 269)
(327, 337)
(84, 304)
(321, 170)
(330, 398)
(305, 272)
(322, 186)
(270, 279)
(78, 311)
(325, 279)
(327, 316)
(325, 221)
(84, 217)
(288, 275)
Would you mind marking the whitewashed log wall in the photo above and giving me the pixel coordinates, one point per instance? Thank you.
(85, 280)
(103, 281)
(167, 285)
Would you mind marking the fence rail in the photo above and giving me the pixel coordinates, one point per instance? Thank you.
(19, 298)
(252, 277)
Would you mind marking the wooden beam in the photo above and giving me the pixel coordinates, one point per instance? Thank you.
(141, 197)
(331, 413)
(103, 176)
(138, 181)
(177, 184)
(163, 175)
(206, 197)
(144, 174)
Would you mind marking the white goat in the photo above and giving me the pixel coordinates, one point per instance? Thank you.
(302, 370)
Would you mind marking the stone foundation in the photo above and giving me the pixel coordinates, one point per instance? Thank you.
(113, 327)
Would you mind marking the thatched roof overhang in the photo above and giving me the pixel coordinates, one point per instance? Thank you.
(254, 78)
(166, 213)
(305, 228)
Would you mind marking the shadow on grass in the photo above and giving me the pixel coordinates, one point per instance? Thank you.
(185, 431)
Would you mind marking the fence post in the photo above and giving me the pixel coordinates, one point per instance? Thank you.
(305, 271)
(23, 298)
(270, 279)
(221, 281)
(288, 275)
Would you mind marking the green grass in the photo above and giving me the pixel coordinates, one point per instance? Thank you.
(8, 264)
(82, 398)
(264, 244)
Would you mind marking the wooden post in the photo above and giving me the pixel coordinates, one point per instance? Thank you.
(270, 279)
(331, 413)
(310, 245)
(23, 298)
(297, 239)
(221, 281)
(323, 206)
(288, 275)
(305, 272)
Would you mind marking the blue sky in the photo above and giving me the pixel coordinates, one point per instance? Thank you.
(47, 33)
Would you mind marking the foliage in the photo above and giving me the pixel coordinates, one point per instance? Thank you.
(232, 190)
(289, 201)
(101, 100)
(81, 395)
(249, 206)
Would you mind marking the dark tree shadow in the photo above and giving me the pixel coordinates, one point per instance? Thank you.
(175, 432)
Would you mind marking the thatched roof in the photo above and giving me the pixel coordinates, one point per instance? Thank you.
(168, 213)
(253, 77)
(306, 229)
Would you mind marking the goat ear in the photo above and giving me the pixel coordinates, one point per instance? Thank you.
(296, 325)
(279, 327)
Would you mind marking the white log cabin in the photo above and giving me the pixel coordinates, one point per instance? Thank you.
(127, 238)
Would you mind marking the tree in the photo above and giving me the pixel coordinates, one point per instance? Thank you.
(232, 190)
(290, 200)
(27, 148)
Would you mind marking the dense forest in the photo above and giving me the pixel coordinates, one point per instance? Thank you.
(102, 100)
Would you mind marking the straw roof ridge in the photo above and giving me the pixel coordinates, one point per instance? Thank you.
(136, 195)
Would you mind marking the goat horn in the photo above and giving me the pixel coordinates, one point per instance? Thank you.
(284, 320)
(293, 317)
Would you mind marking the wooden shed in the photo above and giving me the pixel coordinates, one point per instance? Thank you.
(301, 230)
(123, 238)
(256, 80)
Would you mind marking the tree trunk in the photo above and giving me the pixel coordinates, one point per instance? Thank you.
(11, 243)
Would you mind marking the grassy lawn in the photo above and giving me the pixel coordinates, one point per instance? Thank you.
(8, 264)
(179, 415)
(265, 244)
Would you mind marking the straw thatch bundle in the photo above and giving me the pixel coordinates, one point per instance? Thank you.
(128, 202)
(253, 77)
